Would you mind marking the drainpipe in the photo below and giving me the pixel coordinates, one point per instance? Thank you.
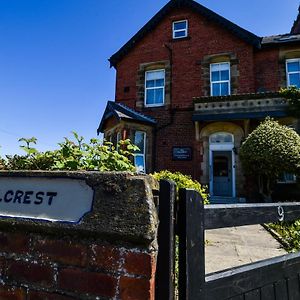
(172, 111)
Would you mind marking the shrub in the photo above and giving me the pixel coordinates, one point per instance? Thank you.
(292, 94)
(183, 181)
(270, 150)
(290, 232)
(73, 155)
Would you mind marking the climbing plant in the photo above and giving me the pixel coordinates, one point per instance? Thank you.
(292, 95)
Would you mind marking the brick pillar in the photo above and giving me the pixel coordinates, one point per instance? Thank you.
(110, 254)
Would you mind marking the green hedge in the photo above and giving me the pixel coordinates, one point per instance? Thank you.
(183, 181)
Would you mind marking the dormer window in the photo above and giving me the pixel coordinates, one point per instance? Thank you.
(293, 72)
(180, 29)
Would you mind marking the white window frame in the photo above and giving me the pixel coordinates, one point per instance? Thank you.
(153, 88)
(221, 133)
(180, 30)
(287, 181)
(119, 138)
(141, 154)
(287, 72)
(220, 81)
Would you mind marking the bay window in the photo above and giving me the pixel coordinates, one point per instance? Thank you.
(139, 156)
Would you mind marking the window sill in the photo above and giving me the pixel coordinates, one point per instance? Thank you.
(154, 106)
(220, 96)
(180, 39)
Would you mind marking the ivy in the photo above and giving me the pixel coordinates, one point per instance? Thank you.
(292, 95)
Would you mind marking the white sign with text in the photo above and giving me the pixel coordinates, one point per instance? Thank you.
(51, 199)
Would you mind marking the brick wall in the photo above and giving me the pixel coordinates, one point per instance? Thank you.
(251, 71)
(267, 71)
(40, 267)
(45, 261)
(205, 38)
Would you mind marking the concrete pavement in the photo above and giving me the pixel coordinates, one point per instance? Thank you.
(231, 247)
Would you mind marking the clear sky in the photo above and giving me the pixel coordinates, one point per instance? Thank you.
(54, 73)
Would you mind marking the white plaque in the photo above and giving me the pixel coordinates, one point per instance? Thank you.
(51, 199)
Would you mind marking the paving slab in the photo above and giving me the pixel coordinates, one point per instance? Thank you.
(232, 247)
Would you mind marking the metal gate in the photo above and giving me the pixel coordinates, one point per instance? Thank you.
(272, 279)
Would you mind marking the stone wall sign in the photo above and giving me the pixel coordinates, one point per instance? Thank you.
(51, 199)
(182, 153)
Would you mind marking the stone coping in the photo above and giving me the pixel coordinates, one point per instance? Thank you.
(237, 97)
(123, 208)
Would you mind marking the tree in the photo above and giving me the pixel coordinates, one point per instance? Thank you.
(270, 150)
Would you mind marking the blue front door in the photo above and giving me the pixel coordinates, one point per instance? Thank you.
(222, 173)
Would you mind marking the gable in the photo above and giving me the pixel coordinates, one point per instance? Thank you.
(119, 112)
(241, 33)
(296, 26)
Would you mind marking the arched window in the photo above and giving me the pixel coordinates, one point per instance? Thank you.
(221, 138)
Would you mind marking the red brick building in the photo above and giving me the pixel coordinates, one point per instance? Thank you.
(190, 87)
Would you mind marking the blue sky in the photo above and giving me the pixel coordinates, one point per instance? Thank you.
(54, 73)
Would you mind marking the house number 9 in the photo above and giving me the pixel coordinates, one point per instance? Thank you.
(280, 213)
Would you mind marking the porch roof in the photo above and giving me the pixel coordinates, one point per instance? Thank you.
(123, 112)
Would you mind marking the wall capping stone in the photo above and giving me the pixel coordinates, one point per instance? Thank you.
(123, 208)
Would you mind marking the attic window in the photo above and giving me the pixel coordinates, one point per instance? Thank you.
(180, 29)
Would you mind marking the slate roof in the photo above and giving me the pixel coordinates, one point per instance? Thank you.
(121, 112)
(280, 39)
(196, 7)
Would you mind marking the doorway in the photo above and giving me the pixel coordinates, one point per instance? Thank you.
(222, 165)
(222, 173)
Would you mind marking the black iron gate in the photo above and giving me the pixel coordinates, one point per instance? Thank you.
(272, 279)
